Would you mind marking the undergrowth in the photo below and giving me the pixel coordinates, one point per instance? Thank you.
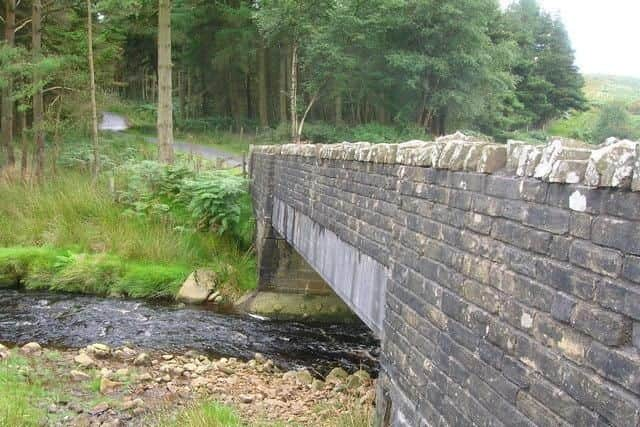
(71, 234)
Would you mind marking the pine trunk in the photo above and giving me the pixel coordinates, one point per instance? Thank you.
(339, 109)
(94, 106)
(24, 158)
(7, 92)
(263, 110)
(283, 86)
(295, 136)
(38, 102)
(165, 111)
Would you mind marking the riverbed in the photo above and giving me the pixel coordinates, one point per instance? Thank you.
(75, 321)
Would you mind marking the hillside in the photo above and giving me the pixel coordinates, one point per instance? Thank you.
(604, 88)
(600, 91)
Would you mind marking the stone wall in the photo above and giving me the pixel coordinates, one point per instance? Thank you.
(511, 272)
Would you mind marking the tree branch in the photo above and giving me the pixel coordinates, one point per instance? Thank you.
(22, 25)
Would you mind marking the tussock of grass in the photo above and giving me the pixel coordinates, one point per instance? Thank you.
(208, 414)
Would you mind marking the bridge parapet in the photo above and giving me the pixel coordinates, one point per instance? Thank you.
(507, 277)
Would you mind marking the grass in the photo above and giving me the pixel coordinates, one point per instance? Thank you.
(70, 235)
(26, 389)
(214, 414)
(17, 395)
(206, 414)
(599, 89)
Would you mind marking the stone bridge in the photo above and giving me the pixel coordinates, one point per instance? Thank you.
(502, 280)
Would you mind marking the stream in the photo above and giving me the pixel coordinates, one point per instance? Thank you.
(75, 321)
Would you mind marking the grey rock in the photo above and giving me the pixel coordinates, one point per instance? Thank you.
(612, 165)
(198, 286)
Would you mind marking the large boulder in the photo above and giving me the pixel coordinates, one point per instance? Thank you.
(612, 165)
(198, 286)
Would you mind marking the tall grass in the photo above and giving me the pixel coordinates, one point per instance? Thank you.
(109, 251)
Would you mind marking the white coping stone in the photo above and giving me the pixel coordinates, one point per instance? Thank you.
(612, 165)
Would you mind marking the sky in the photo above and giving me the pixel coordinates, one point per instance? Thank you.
(604, 33)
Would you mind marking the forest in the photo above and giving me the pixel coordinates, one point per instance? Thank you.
(429, 66)
(135, 214)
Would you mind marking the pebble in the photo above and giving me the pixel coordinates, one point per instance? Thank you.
(337, 375)
(79, 376)
(32, 348)
(99, 351)
(143, 359)
(246, 398)
(84, 360)
(99, 408)
(107, 386)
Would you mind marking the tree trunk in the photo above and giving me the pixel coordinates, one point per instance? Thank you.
(182, 95)
(263, 110)
(295, 136)
(25, 145)
(304, 116)
(165, 110)
(94, 107)
(338, 109)
(38, 109)
(57, 139)
(283, 86)
(7, 92)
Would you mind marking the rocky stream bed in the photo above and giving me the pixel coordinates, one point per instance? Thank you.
(113, 362)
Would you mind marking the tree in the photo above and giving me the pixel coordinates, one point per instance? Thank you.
(38, 97)
(165, 92)
(92, 89)
(7, 90)
(613, 120)
(296, 22)
(549, 83)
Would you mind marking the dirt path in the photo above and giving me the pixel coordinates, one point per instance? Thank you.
(116, 123)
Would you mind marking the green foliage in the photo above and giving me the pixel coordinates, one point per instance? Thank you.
(109, 251)
(99, 274)
(208, 414)
(216, 201)
(613, 120)
(18, 395)
(549, 83)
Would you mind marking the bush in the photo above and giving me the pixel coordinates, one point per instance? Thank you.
(218, 201)
(613, 120)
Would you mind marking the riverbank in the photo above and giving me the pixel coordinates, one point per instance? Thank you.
(136, 231)
(103, 386)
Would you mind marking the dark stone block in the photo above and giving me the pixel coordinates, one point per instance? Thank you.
(631, 268)
(546, 218)
(595, 258)
(562, 307)
(619, 298)
(619, 365)
(617, 233)
(567, 279)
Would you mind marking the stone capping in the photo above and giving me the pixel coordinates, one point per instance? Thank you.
(615, 163)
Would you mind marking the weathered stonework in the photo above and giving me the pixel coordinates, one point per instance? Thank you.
(508, 299)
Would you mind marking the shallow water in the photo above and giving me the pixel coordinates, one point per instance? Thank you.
(72, 321)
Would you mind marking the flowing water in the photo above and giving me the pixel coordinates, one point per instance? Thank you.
(72, 321)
